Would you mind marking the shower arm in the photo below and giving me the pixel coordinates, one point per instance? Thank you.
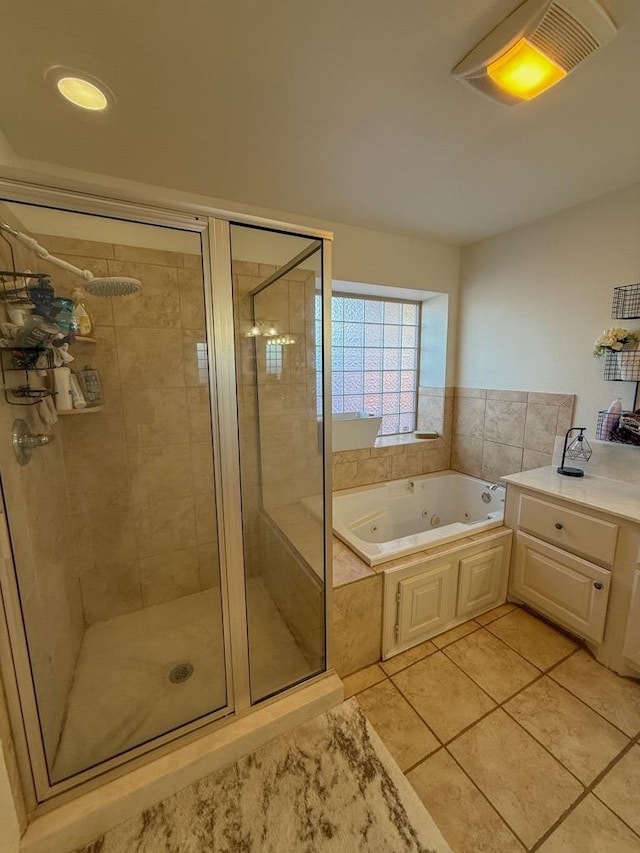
(41, 252)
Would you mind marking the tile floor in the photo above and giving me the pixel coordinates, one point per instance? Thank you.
(513, 737)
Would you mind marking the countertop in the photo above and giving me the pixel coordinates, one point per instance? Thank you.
(614, 497)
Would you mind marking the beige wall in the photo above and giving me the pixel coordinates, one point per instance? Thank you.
(497, 432)
(534, 299)
(359, 254)
(140, 472)
(41, 528)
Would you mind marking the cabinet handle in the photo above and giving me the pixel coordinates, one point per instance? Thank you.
(597, 585)
(559, 526)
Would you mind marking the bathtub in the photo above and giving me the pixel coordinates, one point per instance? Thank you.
(400, 517)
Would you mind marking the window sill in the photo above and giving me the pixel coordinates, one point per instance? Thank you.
(402, 439)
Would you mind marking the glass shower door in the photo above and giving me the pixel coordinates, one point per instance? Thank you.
(113, 523)
(276, 278)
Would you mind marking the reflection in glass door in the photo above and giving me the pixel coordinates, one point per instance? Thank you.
(113, 523)
(279, 381)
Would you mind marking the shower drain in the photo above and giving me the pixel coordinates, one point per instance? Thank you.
(180, 673)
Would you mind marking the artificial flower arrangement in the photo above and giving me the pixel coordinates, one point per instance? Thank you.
(613, 340)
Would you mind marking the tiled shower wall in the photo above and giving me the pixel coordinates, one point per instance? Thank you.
(503, 432)
(41, 526)
(140, 472)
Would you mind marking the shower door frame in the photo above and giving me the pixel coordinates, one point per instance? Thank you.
(213, 225)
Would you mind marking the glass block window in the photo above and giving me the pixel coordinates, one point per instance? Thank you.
(374, 358)
(273, 359)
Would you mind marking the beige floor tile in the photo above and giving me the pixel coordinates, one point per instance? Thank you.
(456, 633)
(591, 828)
(403, 732)
(620, 788)
(463, 816)
(493, 665)
(533, 639)
(362, 679)
(405, 659)
(577, 736)
(444, 696)
(496, 613)
(528, 787)
(616, 698)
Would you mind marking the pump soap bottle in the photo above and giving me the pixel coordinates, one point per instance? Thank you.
(81, 322)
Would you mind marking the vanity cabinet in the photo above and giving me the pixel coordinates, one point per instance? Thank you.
(439, 592)
(576, 564)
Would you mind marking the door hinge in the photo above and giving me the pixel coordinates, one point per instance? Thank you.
(396, 630)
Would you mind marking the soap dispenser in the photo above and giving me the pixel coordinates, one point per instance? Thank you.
(82, 322)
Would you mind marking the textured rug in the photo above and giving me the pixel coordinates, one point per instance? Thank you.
(329, 786)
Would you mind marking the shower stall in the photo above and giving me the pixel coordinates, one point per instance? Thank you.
(160, 574)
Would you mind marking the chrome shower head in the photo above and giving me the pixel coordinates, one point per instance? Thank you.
(117, 285)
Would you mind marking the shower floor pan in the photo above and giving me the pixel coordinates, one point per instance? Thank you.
(122, 694)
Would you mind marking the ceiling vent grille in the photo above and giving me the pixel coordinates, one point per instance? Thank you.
(563, 38)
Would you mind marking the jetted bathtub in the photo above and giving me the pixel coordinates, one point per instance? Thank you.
(400, 517)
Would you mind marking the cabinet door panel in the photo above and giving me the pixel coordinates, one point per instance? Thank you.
(426, 602)
(563, 586)
(480, 581)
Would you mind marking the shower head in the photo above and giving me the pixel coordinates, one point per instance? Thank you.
(116, 285)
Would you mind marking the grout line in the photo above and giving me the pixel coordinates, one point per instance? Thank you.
(595, 711)
(485, 797)
(587, 791)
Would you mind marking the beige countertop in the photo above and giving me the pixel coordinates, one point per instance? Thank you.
(615, 497)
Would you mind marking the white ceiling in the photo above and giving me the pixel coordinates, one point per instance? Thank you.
(344, 110)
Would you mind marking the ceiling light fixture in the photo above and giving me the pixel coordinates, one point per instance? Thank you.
(82, 93)
(535, 47)
(80, 89)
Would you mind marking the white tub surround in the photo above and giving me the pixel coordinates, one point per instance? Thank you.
(389, 520)
(353, 430)
(576, 557)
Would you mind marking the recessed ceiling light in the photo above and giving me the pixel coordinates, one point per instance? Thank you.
(82, 93)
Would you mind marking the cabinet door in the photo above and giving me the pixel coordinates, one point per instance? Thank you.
(426, 602)
(480, 581)
(562, 586)
(632, 636)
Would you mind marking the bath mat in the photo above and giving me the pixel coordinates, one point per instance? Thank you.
(329, 786)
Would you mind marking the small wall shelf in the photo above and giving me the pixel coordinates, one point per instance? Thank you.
(89, 410)
(626, 302)
(623, 366)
